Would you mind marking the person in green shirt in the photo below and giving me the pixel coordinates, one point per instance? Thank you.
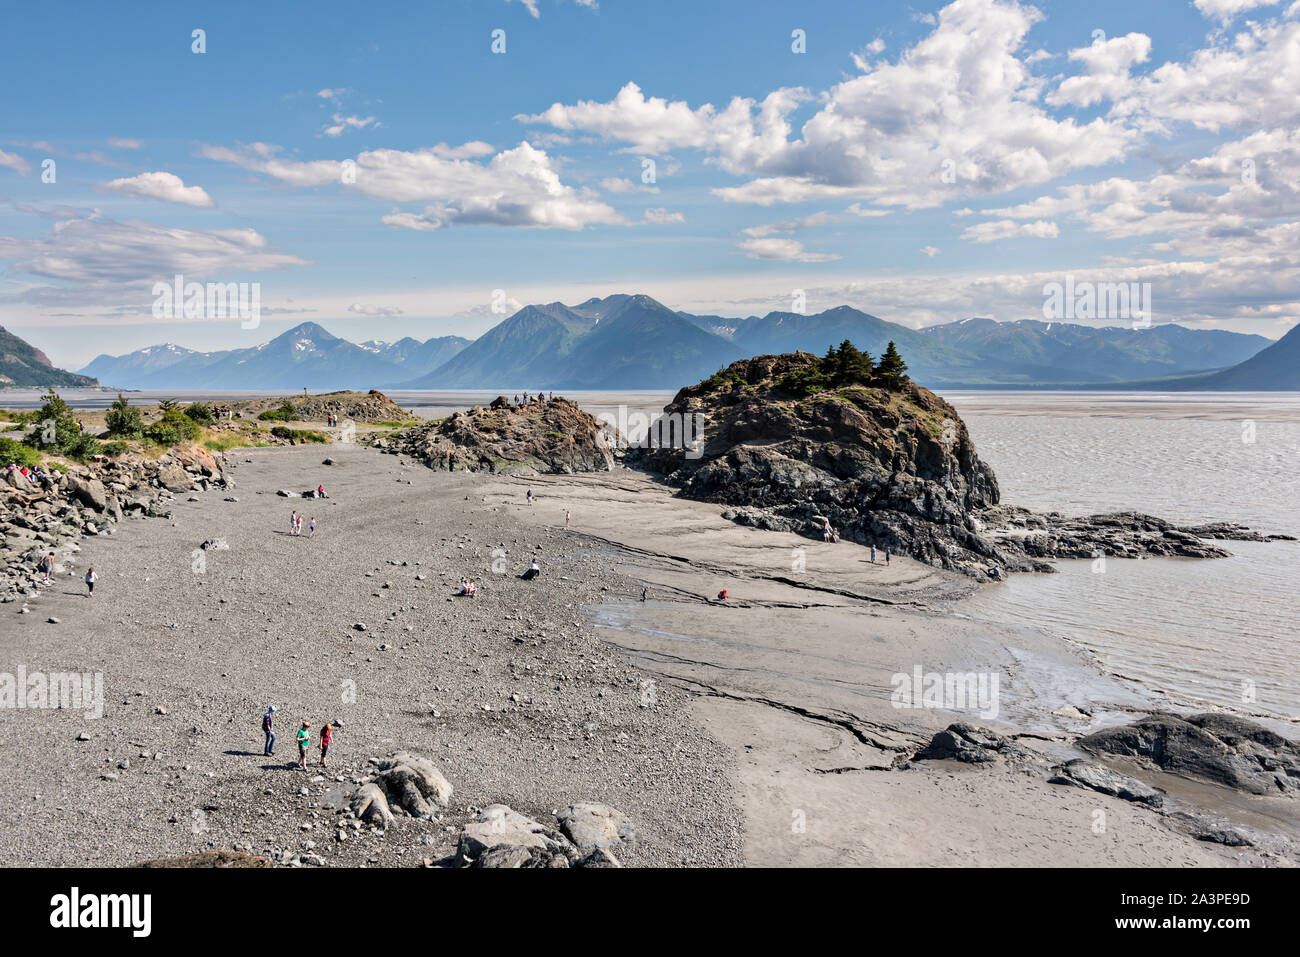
(304, 741)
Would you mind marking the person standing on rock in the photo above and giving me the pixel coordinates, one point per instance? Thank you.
(90, 579)
(268, 728)
(326, 739)
(304, 742)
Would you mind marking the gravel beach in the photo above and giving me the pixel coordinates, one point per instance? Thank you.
(756, 731)
(510, 693)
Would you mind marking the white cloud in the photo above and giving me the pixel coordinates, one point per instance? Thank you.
(792, 225)
(165, 186)
(1225, 11)
(1108, 63)
(783, 250)
(516, 187)
(344, 123)
(961, 100)
(367, 310)
(95, 250)
(660, 216)
(930, 251)
(615, 184)
(120, 143)
(15, 162)
(994, 230)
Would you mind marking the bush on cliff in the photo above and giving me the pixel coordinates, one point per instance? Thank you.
(285, 413)
(174, 427)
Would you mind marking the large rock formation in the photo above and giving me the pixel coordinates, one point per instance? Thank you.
(549, 436)
(1220, 748)
(887, 463)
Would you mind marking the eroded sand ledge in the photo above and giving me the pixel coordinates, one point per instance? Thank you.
(768, 711)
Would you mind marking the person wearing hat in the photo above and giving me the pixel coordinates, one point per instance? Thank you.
(304, 742)
(269, 728)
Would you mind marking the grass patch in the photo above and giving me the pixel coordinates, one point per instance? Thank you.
(301, 436)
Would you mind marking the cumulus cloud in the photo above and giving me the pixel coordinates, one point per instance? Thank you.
(1107, 75)
(162, 185)
(993, 230)
(516, 187)
(1225, 11)
(615, 184)
(783, 250)
(961, 101)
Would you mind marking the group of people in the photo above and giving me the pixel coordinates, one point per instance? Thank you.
(539, 397)
(295, 524)
(467, 587)
(303, 738)
(332, 420)
(830, 534)
(30, 474)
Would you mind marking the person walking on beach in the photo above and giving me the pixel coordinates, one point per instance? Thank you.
(47, 567)
(326, 739)
(530, 497)
(644, 593)
(312, 528)
(304, 742)
(566, 518)
(886, 555)
(293, 521)
(268, 728)
(91, 578)
(873, 554)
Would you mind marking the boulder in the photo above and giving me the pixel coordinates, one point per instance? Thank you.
(369, 804)
(1084, 774)
(413, 784)
(90, 492)
(590, 826)
(499, 826)
(174, 478)
(965, 742)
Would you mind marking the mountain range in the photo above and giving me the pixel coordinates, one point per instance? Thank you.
(23, 365)
(634, 342)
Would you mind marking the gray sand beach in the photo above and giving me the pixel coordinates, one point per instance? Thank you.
(755, 731)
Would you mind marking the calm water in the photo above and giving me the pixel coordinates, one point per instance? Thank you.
(1204, 632)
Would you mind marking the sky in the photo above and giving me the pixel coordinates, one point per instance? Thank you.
(424, 168)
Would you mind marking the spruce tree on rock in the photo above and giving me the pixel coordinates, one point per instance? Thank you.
(891, 369)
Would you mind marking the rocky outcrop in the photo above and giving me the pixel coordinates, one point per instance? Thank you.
(405, 782)
(1084, 774)
(360, 407)
(537, 437)
(1219, 748)
(887, 464)
(49, 513)
(969, 744)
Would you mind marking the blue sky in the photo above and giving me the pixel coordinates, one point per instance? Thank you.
(923, 162)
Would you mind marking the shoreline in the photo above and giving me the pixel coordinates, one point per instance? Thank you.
(767, 743)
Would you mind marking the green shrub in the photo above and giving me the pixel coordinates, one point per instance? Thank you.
(114, 448)
(123, 420)
(17, 453)
(300, 436)
(285, 413)
(174, 427)
(201, 413)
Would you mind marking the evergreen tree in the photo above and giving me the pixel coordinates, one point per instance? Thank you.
(853, 365)
(891, 368)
